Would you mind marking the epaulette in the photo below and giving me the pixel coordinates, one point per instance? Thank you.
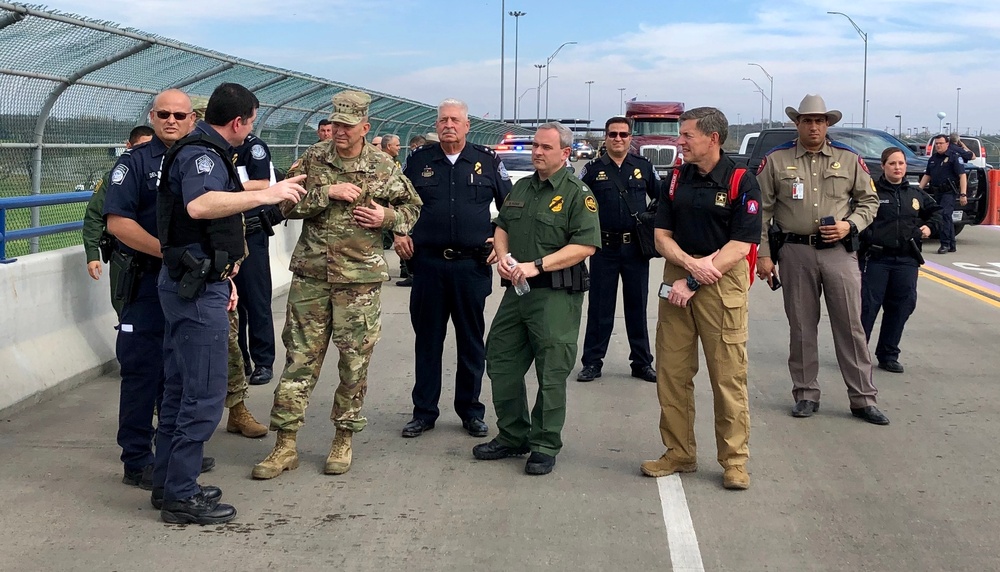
(786, 145)
(638, 156)
(484, 149)
(843, 147)
(424, 147)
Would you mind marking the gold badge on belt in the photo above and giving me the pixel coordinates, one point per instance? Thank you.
(556, 204)
(590, 203)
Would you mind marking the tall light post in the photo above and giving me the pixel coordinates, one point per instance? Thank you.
(538, 94)
(589, 85)
(770, 99)
(899, 116)
(864, 85)
(958, 104)
(547, 62)
(621, 101)
(524, 94)
(503, 34)
(738, 127)
(762, 97)
(517, 18)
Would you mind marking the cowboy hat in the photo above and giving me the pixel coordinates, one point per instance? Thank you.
(814, 105)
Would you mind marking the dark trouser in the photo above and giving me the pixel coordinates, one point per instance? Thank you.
(140, 352)
(947, 232)
(195, 360)
(542, 327)
(888, 283)
(442, 289)
(832, 273)
(606, 265)
(253, 285)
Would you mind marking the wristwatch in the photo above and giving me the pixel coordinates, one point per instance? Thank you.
(693, 284)
(538, 264)
(963, 194)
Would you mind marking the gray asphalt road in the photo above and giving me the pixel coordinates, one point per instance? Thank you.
(828, 493)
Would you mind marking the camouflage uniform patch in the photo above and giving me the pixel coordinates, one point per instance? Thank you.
(236, 390)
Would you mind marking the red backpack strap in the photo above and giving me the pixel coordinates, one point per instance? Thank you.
(674, 175)
(734, 193)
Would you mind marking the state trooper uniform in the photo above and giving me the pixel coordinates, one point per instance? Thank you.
(197, 330)
(139, 348)
(450, 275)
(619, 255)
(253, 282)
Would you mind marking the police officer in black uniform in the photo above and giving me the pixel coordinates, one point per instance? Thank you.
(621, 182)
(201, 237)
(944, 179)
(450, 251)
(256, 329)
(890, 256)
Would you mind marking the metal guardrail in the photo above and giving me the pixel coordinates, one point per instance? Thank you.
(34, 232)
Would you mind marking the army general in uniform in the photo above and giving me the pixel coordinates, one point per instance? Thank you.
(803, 182)
(354, 192)
(549, 223)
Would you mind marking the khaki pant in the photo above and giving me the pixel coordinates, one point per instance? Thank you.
(807, 273)
(717, 315)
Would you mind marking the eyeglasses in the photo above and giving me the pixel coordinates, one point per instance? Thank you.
(178, 115)
(619, 134)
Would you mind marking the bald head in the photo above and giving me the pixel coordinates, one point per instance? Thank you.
(164, 116)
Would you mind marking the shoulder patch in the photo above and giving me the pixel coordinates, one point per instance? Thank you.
(763, 163)
(204, 164)
(118, 174)
(591, 203)
(503, 171)
(257, 152)
(861, 161)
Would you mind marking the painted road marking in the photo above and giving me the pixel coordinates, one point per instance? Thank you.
(685, 556)
(963, 283)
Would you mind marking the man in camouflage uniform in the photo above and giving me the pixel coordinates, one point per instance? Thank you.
(354, 192)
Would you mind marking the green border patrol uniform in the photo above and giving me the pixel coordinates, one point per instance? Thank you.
(540, 217)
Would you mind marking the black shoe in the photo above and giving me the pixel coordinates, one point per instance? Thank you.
(211, 493)
(408, 281)
(952, 249)
(495, 450)
(476, 427)
(196, 510)
(645, 373)
(870, 414)
(589, 373)
(247, 369)
(416, 427)
(207, 464)
(943, 250)
(891, 365)
(539, 464)
(805, 408)
(261, 375)
(142, 478)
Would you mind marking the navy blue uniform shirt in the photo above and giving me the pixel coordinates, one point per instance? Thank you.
(944, 168)
(639, 181)
(132, 186)
(456, 210)
(701, 215)
(253, 160)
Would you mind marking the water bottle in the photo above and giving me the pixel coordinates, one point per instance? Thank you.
(521, 288)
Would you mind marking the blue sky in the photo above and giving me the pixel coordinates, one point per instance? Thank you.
(919, 51)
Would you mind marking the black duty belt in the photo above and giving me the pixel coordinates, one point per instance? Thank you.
(616, 237)
(252, 224)
(456, 253)
(810, 239)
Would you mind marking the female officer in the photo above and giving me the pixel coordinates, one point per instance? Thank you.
(890, 256)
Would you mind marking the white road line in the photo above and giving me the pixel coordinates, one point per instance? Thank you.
(685, 556)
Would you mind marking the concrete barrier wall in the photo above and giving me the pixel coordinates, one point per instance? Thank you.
(57, 324)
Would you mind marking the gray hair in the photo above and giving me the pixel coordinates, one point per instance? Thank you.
(565, 135)
(708, 120)
(451, 102)
(388, 139)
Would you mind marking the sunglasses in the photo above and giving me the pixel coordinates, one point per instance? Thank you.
(619, 134)
(178, 115)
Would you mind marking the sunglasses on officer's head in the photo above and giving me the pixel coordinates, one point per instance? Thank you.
(619, 134)
(178, 115)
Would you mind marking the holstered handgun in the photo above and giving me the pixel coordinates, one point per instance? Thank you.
(852, 243)
(128, 276)
(106, 244)
(775, 240)
(915, 251)
(193, 281)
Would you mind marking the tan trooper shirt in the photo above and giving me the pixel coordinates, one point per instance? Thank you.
(835, 182)
(332, 246)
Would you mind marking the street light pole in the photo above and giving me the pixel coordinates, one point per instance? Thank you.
(958, 104)
(538, 94)
(503, 22)
(899, 116)
(762, 97)
(589, 85)
(547, 62)
(770, 99)
(621, 101)
(864, 85)
(517, 18)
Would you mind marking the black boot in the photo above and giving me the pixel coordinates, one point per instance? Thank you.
(196, 510)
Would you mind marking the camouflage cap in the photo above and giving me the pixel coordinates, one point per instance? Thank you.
(199, 104)
(350, 107)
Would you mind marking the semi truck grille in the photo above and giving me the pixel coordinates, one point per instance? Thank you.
(659, 155)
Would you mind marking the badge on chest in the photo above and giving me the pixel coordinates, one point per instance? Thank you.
(798, 189)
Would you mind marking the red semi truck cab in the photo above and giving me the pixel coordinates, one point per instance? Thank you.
(655, 128)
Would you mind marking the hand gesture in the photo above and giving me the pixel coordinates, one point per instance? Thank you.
(347, 192)
(370, 216)
(288, 190)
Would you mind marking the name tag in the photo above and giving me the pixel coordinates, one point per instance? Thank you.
(514, 204)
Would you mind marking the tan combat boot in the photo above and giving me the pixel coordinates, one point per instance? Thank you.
(242, 421)
(666, 466)
(283, 457)
(339, 461)
(736, 478)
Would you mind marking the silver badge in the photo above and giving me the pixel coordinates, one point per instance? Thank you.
(257, 151)
(204, 164)
(503, 172)
(118, 175)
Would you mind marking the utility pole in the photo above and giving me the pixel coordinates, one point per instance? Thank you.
(517, 18)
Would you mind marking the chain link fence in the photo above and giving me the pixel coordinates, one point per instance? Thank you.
(74, 88)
